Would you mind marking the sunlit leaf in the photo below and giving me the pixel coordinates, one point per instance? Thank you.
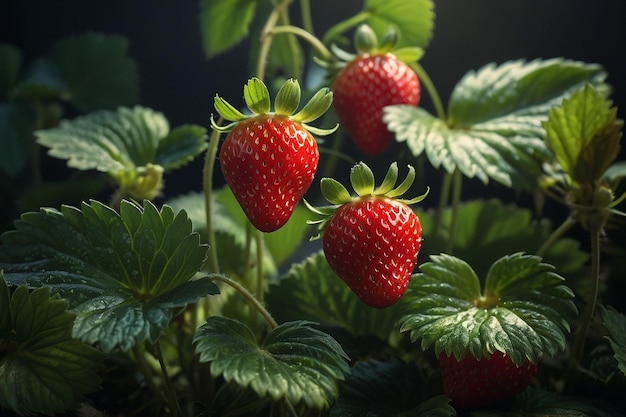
(521, 310)
(414, 20)
(42, 368)
(493, 130)
(122, 273)
(296, 362)
(584, 135)
(215, 15)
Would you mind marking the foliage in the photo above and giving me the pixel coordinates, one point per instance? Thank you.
(154, 303)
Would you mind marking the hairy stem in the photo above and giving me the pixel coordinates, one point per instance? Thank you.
(266, 37)
(587, 317)
(556, 234)
(207, 180)
(307, 36)
(429, 86)
(457, 186)
(171, 393)
(305, 13)
(248, 295)
(345, 25)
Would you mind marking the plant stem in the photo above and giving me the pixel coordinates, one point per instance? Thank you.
(259, 267)
(305, 13)
(556, 235)
(428, 84)
(146, 371)
(171, 393)
(443, 201)
(315, 42)
(207, 180)
(266, 37)
(457, 185)
(587, 317)
(345, 25)
(248, 295)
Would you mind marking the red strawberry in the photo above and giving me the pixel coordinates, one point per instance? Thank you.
(371, 241)
(474, 383)
(268, 159)
(370, 81)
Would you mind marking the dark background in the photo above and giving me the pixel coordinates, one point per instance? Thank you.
(177, 79)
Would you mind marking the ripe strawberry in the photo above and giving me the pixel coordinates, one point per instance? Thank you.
(474, 383)
(370, 81)
(269, 159)
(371, 241)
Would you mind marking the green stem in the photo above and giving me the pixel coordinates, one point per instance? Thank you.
(207, 180)
(344, 26)
(171, 393)
(259, 267)
(428, 84)
(294, 52)
(305, 13)
(457, 186)
(443, 201)
(266, 37)
(248, 295)
(146, 371)
(307, 36)
(581, 334)
(556, 235)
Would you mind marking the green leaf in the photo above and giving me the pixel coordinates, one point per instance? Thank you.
(215, 15)
(584, 135)
(615, 323)
(288, 98)
(334, 191)
(521, 311)
(296, 362)
(41, 81)
(97, 71)
(362, 179)
(17, 121)
(42, 368)
(257, 96)
(493, 130)
(311, 291)
(121, 273)
(389, 388)
(10, 65)
(414, 20)
(181, 146)
(487, 230)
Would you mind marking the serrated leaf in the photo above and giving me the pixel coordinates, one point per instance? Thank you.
(181, 146)
(414, 20)
(17, 121)
(615, 323)
(391, 388)
(584, 135)
(522, 309)
(494, 130)
(215, 15)
(122, 273)
(43, 369)
(123, 143)
(311, 291)
(97, 70)
(296, 362)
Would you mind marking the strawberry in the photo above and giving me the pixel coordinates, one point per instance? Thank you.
(371, 241)
(489, 337)
(473, 383)
(269, 159)
(371, 80)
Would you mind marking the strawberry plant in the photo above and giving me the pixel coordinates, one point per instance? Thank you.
(271, 288)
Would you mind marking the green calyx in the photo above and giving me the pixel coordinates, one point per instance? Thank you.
(364, 185)
(258, 101)
(366, 42)
(521, 308)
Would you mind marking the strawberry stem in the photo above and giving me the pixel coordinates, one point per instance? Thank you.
(266, 37)
(207, 180)
(307, 36)
(428, 84)
(344, 26)
(248, 295)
